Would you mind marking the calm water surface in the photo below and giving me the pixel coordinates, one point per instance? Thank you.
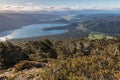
(34, 30)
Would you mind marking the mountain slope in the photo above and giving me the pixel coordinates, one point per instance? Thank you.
(14, 20)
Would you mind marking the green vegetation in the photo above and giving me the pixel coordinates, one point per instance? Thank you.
(73, 59)
(11, 54)
(98, 36)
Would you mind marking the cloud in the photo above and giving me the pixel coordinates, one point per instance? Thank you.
(31, 7)
(19, 8)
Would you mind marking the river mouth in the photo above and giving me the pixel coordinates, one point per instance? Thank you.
(34, 30)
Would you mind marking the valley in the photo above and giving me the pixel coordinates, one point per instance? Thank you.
(78, 26)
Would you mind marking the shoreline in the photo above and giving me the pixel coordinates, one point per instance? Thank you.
(8, 34)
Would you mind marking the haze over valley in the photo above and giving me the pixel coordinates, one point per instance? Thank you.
(79, 23)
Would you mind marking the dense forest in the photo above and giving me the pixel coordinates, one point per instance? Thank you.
(71, 59)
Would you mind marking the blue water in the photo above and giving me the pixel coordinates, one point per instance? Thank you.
(34, 30)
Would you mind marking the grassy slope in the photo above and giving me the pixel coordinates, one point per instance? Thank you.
(98, 36)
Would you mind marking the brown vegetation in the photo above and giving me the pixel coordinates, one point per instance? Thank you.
(73, 59)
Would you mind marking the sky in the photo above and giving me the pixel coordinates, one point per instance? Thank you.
(37, 4)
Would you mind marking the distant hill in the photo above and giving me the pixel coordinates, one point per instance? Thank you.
(108, 25)
(10, 21)
(104, 24)
(78, 25)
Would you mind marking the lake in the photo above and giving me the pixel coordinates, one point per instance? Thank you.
(34, 30)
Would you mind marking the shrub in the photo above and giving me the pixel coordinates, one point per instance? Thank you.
(28, 64)
(11, 54)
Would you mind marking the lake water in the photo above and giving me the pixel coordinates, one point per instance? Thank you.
(34, 30)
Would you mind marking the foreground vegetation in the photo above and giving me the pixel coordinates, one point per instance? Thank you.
(73, 59)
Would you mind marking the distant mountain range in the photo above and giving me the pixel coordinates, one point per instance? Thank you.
(66, 11)
(82, 25)
(80, 22)
(10, 21)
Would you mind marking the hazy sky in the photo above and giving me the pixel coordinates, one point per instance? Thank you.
(33, 4)
(70, 3)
